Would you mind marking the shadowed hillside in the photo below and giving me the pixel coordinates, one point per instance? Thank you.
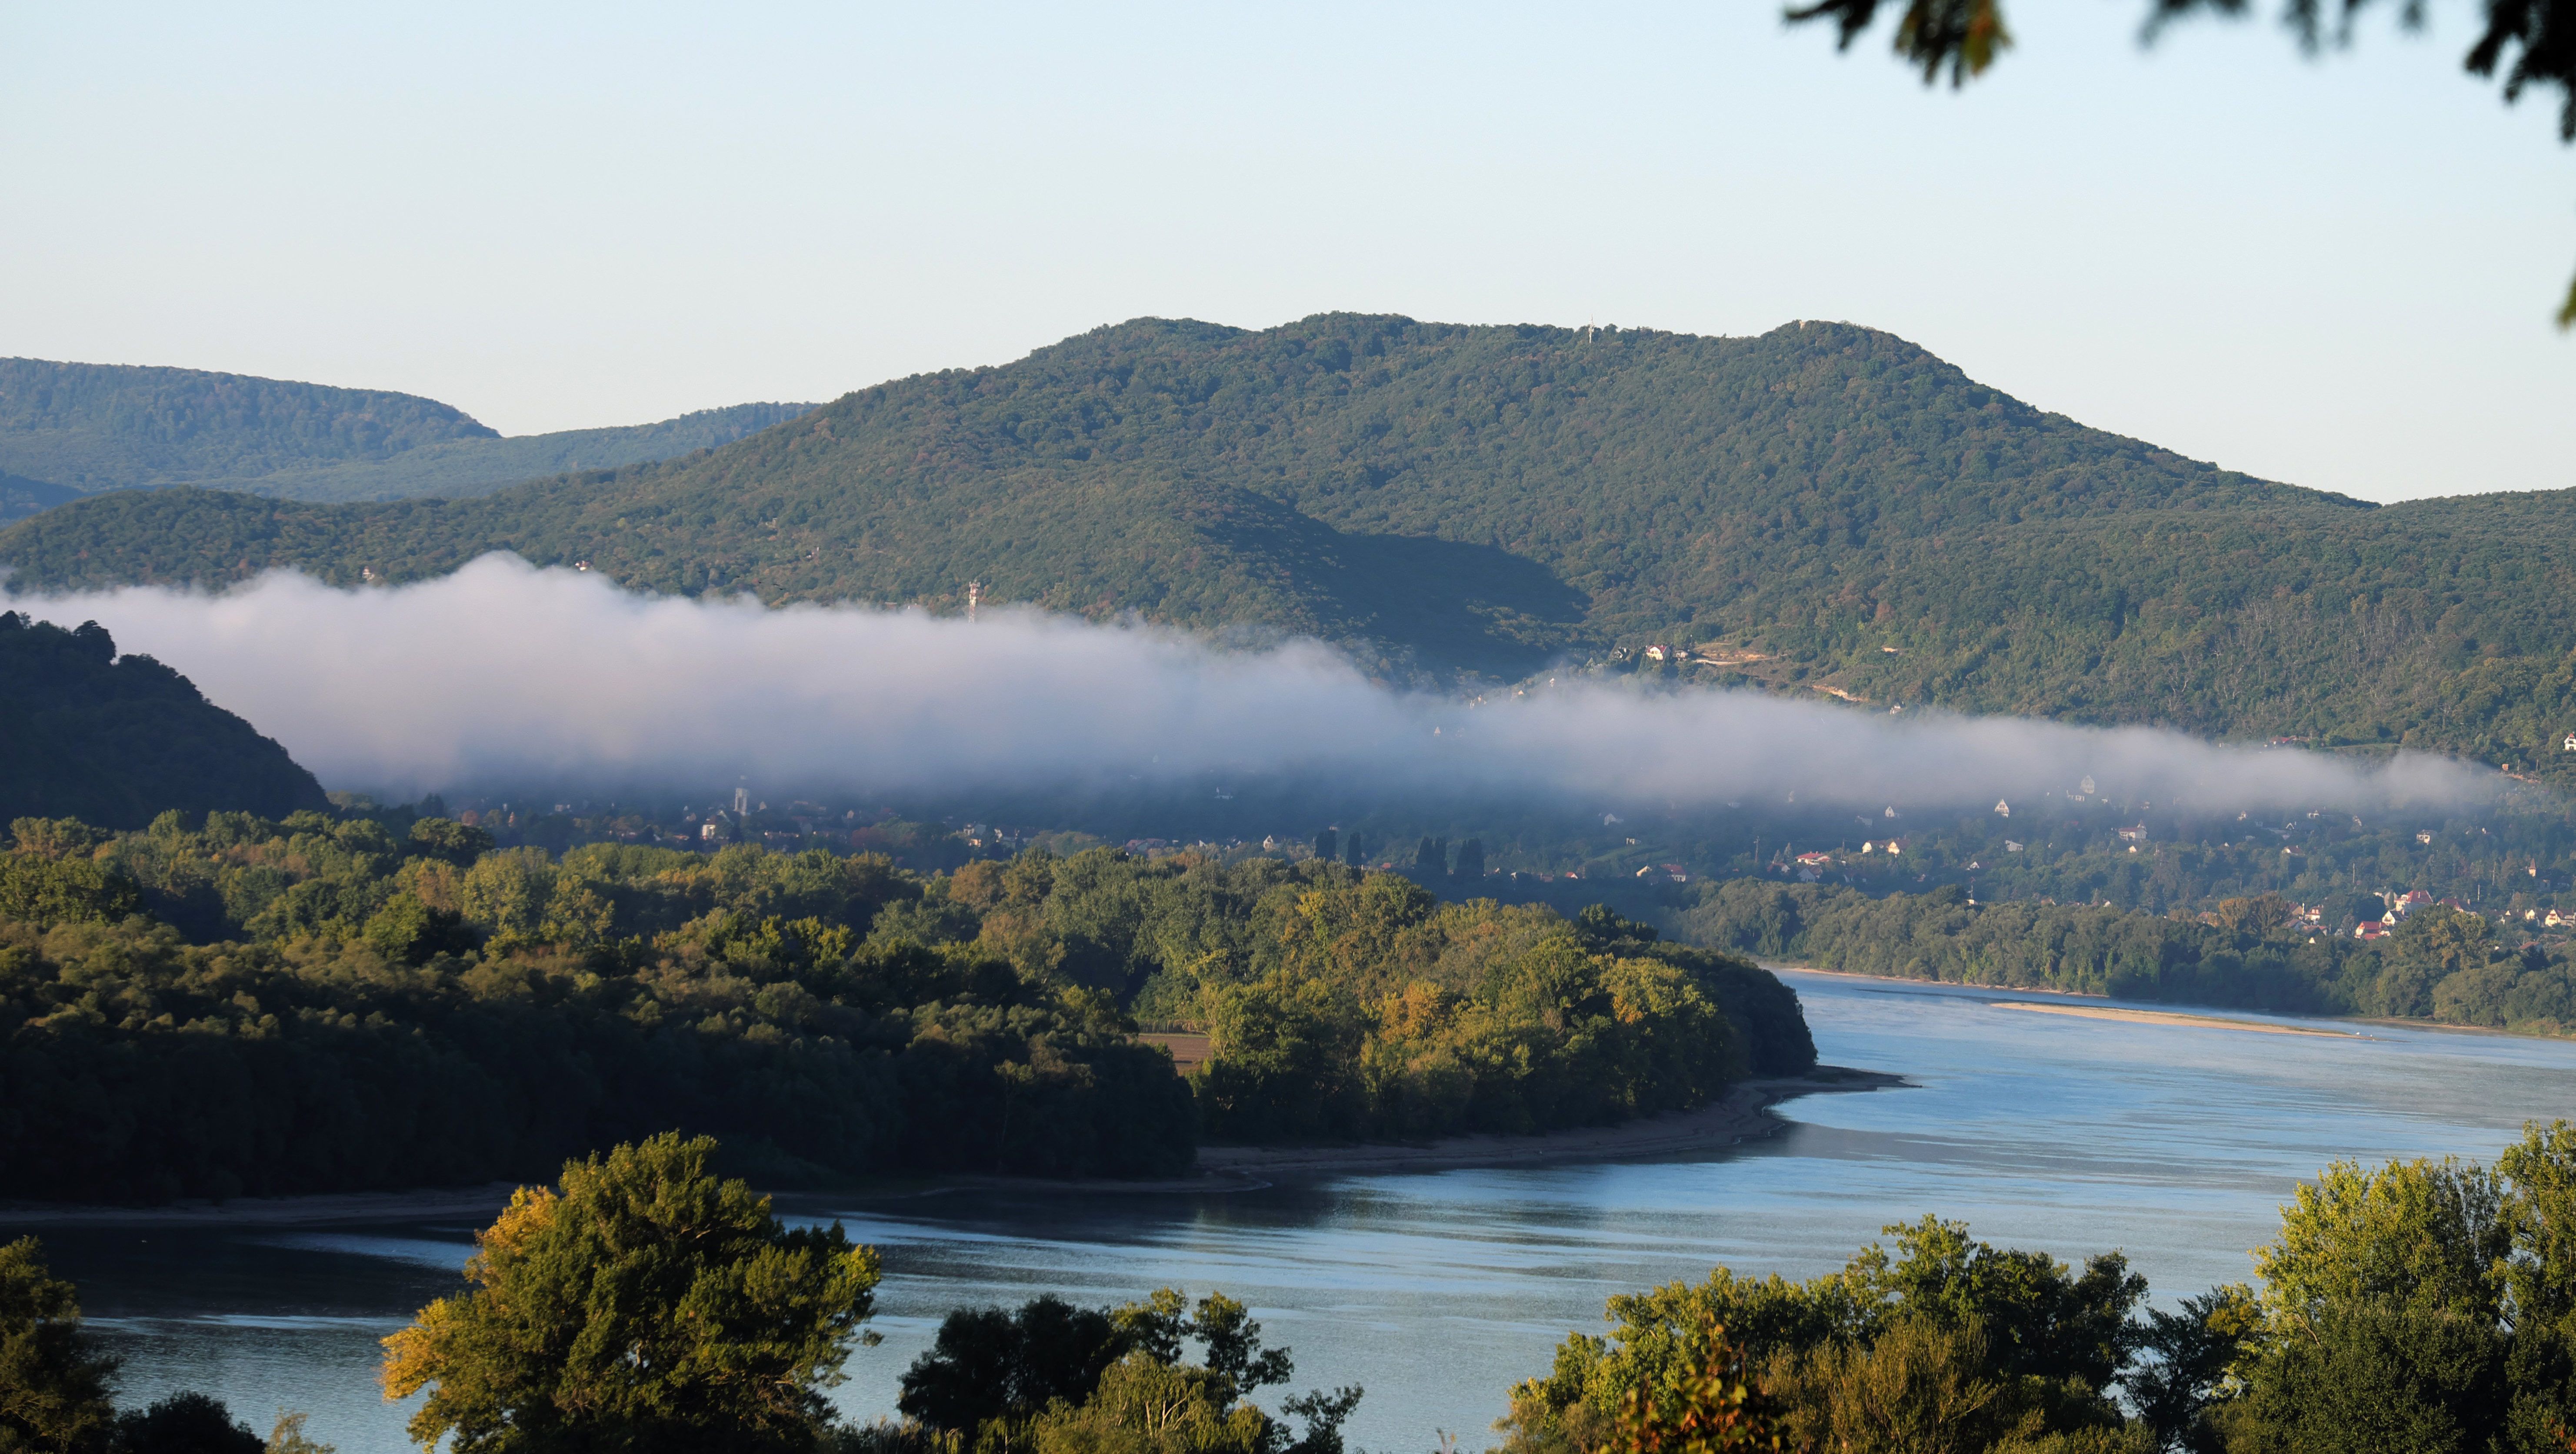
(116, 742)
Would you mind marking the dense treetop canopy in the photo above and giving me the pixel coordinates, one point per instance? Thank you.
(385, 1000)
(648, 1305)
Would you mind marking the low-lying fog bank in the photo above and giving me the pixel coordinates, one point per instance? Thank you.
(504, 671)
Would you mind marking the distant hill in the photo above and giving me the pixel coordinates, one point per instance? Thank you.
(86, 428)
(116, 742)
(459, 469)
(1823, 506)
(21, 497)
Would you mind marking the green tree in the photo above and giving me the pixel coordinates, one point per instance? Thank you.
(1143, 1405)
(1711, 1407)
(2440, 942)
(45, 891)
(2540, 1282)
(53, 1378)
(1285, 1053)
(646, 1307)
(1922, 1386)
(2421, 1306)
(2009, 1343)
(989, 1365)
(56, 837)
(1070, 1380)
(2040, 1317)
(409, 931)
(457, 843)
(2372, 1378)
(185, 1423)
(2418, 1235)
(2197, 1348)
(1471, 861)
(509, 892)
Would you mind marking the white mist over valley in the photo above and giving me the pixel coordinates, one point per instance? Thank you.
(504, 672)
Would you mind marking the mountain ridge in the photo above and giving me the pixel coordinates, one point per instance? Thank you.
(84, 429)
(1831, 506)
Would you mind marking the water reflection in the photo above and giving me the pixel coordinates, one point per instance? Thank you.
(1436, 1291)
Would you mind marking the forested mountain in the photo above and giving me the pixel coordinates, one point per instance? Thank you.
(1821, 506)
(117, 741)
(104, 426)
(68, 429)
(466, 467)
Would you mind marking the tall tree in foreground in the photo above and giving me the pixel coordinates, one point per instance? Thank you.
(187, 1423)
(1056, 1379)
(1947, 1344)
(53, 1379)
(646, 1307)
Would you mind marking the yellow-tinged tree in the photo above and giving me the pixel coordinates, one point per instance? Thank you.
(648, 1306)
(1713, 1407)
(53, 1379)
(1147, 1406)
(2419, 1236)
(2541, 1168)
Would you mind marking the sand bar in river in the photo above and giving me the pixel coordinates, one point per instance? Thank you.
(2168, 1017)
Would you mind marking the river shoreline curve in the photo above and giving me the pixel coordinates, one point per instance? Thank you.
(1743, 1113)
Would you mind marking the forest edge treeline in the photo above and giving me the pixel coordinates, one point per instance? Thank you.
(2250, 952)
(240, 1006)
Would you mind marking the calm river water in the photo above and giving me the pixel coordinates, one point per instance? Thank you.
(1436, 1291)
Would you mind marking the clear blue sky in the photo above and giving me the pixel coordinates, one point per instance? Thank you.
(2337, 273)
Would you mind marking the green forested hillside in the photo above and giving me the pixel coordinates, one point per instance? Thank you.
(115, 742)
(71, 429)
(464, 467)
(105, 426)
(1823, 506)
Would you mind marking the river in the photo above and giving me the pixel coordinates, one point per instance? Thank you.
(1436, 1291)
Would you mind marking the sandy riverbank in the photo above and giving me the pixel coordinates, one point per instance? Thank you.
(2103, 1007)
(2167, 1017)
